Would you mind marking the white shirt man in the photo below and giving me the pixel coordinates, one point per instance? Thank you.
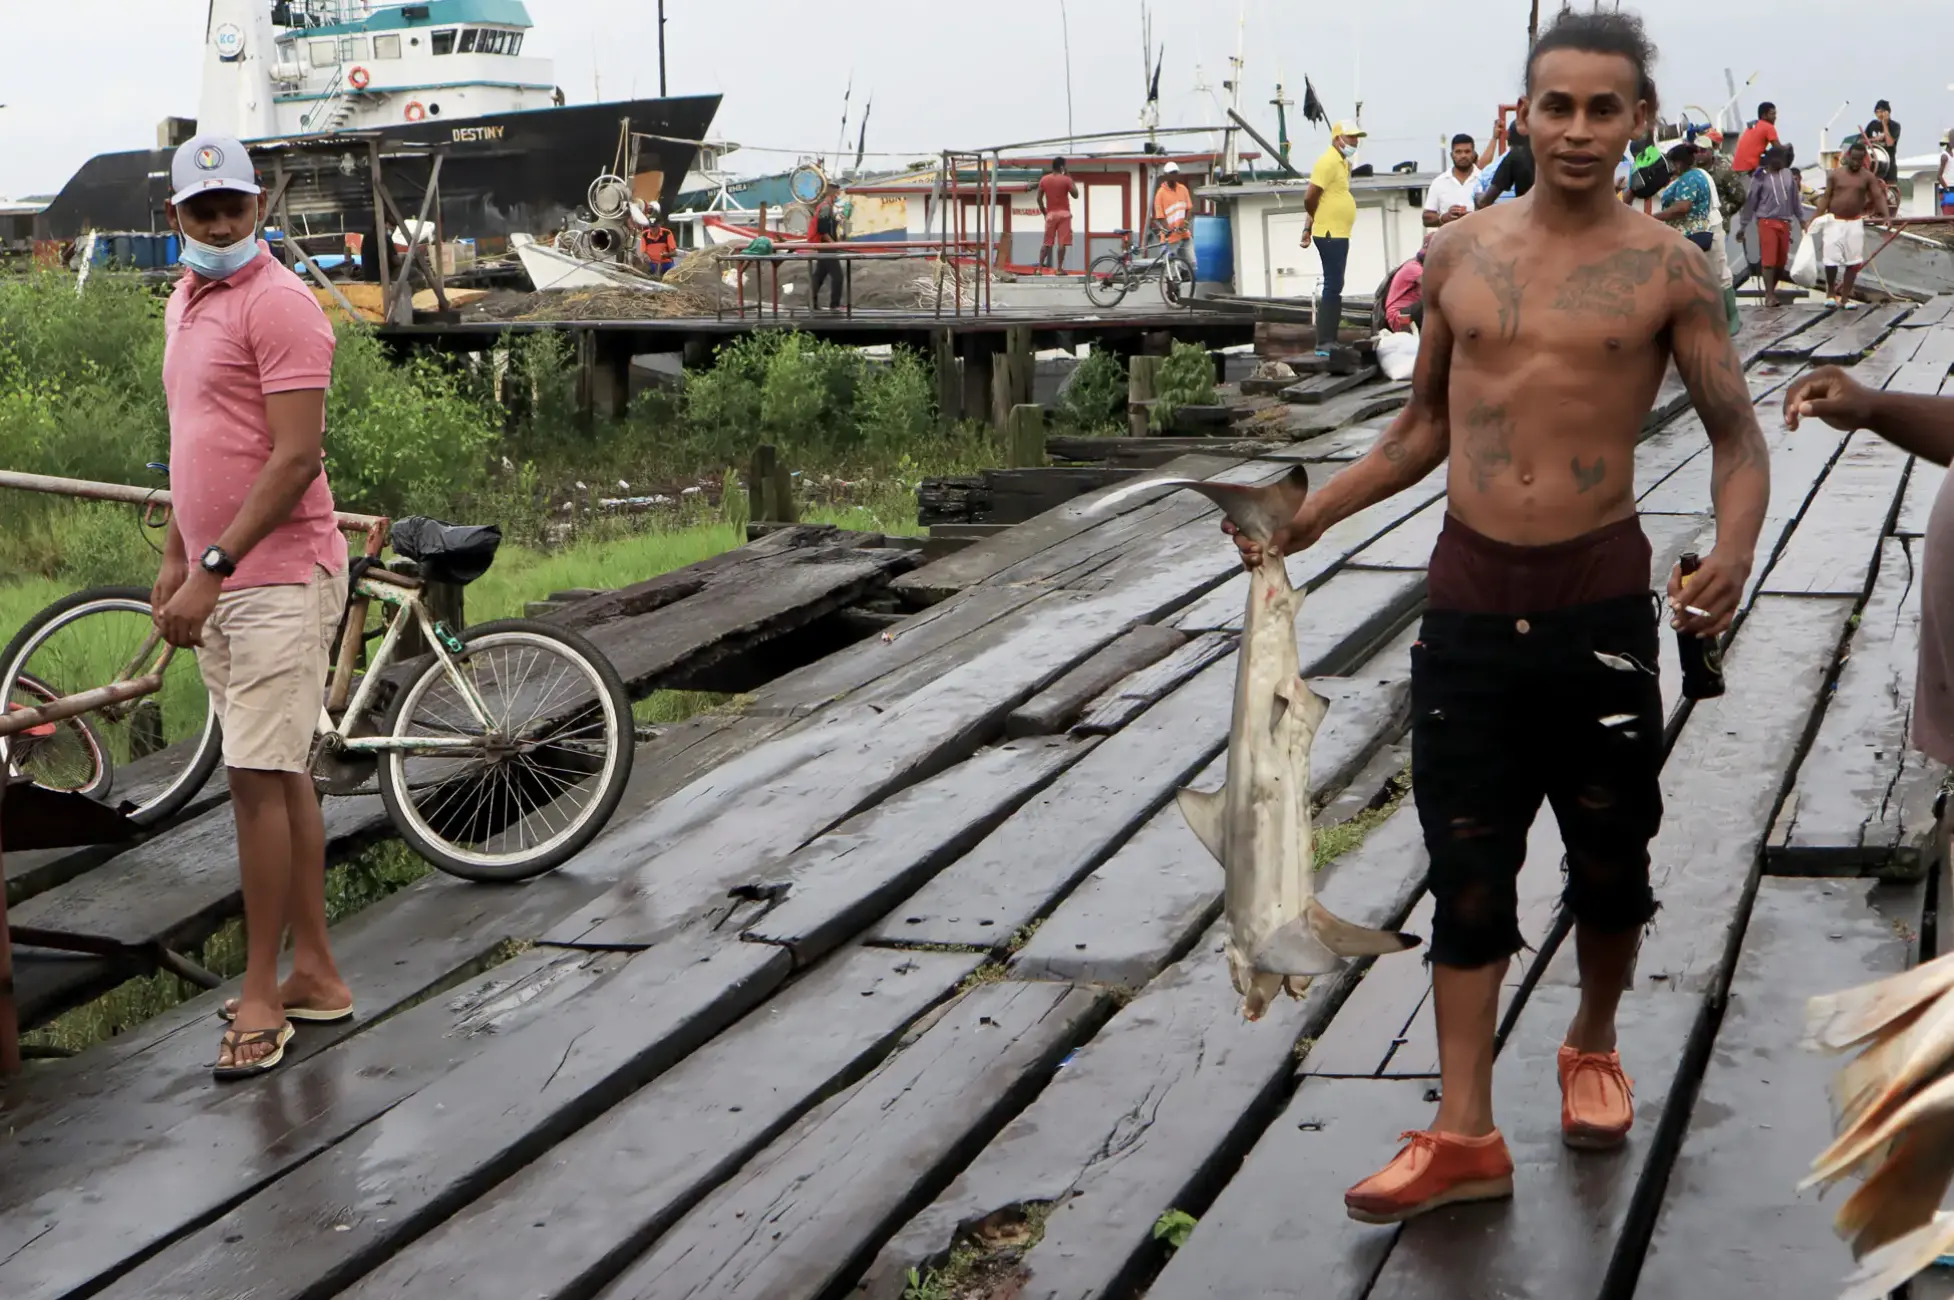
(1451, 195)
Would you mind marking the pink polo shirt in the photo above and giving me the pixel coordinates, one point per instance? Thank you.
(228, 345)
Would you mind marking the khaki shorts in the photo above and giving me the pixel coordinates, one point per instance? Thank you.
(265, 659)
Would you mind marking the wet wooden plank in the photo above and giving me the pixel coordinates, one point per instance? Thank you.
(1720, 786)
(1151, 900)
(1731, 1224)
(1409, 545)
(981, 563)
(1127, 700)
(1075, 825)
(1864, 797)
(1923, 486)
(397, 952)
(570, 1221)
(685, 855)
(1568, 1234)
(1059, 705)
(1068, 829)
(1800, 345)
(1933, 312)
(1758, 330)
(1836, 544)
(1351, 408)
(841, 1181)
(1152, 1114)
(900, 659)
(848, 879)
(1318, 389)
(1223, 607)
(175, 889)
(1280, 1220)
(1853, 335)
(428, 1155)
(115, 1201)
(1344, 444)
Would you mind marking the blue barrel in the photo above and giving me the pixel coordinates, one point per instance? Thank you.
(172, 250)
(1214, 250)
(122, 251)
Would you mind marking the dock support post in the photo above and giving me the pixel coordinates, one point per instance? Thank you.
(611, 376)
(445, 605)
(1024, 437)
(1141, 373)
(769, 488)
(979, 353)
(1011, 381)
(949, 379)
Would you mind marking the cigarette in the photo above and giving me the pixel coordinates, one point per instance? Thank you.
(1700, 613)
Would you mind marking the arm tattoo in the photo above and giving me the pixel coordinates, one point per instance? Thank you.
(1488, 443)
(1502, 279)
(1704, 354)
(1608, 288)
(1589, 477)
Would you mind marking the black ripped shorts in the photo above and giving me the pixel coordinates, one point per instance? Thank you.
(1507, 710)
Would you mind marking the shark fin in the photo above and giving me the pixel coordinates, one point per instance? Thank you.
(1347, 940)
(1295, 950)
(1309, 707)
(1203, 811)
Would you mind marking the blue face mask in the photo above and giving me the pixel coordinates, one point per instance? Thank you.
(214, 263)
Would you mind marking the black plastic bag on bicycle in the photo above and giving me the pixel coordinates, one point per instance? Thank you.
(457, 553)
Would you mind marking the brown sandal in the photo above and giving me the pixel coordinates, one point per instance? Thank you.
(228, 1011)
(236, 1040)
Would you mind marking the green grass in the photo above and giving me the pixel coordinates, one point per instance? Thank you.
(1332, 842)
(987, 1262)
(353, 885)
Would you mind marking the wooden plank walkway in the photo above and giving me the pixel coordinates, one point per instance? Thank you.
(915, 953)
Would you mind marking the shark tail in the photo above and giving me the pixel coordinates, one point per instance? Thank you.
(1319, 941)
(1257, 510)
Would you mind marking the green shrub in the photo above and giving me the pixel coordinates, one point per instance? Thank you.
(1186, 378)
(1096, 398)
(401, 439)
(895, 408)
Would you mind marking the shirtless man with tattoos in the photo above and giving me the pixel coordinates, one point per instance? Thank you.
(1549, 323)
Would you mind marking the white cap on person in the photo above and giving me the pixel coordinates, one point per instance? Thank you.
(1172, 168)
(211, 162)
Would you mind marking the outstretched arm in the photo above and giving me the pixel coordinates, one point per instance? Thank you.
(1740, 464)
(1415, 444)
(1923, 426)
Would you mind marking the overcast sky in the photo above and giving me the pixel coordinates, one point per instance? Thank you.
(994, 71)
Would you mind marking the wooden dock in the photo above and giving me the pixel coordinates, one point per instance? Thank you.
(912, 957)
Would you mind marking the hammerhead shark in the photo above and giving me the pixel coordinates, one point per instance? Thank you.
(1258, 824)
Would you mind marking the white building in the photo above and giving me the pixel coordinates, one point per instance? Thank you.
(1266, 221)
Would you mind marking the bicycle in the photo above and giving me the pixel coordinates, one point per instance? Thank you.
(466, 745)
(1114, 275)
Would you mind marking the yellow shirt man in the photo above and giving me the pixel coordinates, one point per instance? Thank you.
(1336, 211)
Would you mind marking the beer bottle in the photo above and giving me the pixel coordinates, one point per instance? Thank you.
(1702, 656)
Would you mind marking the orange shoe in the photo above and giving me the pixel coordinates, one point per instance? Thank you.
(1597, 1106)
(1434, 1169)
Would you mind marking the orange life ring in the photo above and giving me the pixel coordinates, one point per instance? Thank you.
(360, 78)
(415, 112)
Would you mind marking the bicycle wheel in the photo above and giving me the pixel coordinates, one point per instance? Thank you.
(158, 751)
(1173, 282)
(1106, 282)
(68, 755)
(540, 781)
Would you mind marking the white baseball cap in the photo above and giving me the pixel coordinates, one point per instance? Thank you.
(211, 162)
(1171, 168)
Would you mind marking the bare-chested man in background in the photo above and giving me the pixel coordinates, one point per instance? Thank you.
(1549, 324)
(1851, 191)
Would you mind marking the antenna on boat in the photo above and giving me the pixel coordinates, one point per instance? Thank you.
(1231, 163)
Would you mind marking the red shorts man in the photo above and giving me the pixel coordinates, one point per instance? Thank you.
(1056, 190)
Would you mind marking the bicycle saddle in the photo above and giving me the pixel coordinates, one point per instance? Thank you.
(457, 553)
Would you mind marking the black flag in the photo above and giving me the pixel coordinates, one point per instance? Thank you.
(1153, 88)
(861, 143)
(1312, 106)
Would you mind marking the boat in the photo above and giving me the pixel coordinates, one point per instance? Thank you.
(451, 74)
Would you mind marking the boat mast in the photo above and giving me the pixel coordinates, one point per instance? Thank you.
(1231, 162)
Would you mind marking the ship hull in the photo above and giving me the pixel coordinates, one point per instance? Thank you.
(504, 173)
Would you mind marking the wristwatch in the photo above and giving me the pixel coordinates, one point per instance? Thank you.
(216, 561)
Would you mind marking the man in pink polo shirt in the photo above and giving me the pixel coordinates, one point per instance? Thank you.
(254, 571)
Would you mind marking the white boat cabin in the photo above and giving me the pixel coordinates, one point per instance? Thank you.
(1266, 223)
(279, 68)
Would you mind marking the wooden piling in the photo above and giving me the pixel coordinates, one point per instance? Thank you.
(769, 489)
(1142, 374)
(949, 378)
(978, 363)
(1024, 437)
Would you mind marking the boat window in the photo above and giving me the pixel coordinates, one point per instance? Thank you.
(352, 48)
(468, 39)
(498, 42)
(386, 47)
(325, 54)
(488, 45)
(444, 42)
(515, 46)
